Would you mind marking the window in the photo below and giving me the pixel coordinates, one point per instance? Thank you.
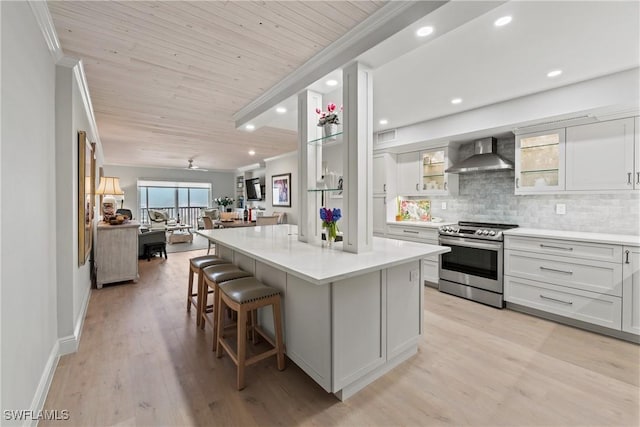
(181, 200)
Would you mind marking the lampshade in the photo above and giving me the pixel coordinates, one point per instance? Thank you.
(109, 185)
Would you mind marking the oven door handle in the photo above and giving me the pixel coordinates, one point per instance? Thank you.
(471, 244)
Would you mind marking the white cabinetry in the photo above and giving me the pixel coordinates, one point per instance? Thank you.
(421, 234)
(379, 215)
(631, 290)
(408, 173)
(600, 156)
(116, 253)
(422, 173)
(540, 162)
(575, 279)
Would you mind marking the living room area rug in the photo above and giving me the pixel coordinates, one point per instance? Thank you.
(198, 243)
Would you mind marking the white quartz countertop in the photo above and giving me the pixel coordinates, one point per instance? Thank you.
(616, 239)
(425, 224)
(278, 246)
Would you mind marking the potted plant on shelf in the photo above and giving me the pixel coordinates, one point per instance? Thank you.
(225, 202)
(329, 120)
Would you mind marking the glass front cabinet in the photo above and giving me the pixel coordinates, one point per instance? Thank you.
(540, 162)
(433, 164)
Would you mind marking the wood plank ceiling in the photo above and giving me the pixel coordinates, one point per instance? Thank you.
(166, 77)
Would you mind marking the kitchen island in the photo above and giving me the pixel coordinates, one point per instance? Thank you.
(348, 318)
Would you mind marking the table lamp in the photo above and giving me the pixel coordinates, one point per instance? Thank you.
(109, 187)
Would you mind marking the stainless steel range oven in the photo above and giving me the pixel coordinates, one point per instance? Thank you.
(474, 267)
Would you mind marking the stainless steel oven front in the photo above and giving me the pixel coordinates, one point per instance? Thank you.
(473, 262)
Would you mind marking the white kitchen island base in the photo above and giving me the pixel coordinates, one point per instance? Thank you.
(348, 318)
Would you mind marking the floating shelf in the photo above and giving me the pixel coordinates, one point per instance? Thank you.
(336, 138)
(324, 189)
(539, 146)
(540, 171)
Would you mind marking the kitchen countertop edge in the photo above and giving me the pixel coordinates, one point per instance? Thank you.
(584, 236)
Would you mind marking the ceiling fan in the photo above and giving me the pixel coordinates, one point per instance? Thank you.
(193, 167)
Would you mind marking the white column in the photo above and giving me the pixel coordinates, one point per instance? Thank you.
(309, 167)
(357, 224)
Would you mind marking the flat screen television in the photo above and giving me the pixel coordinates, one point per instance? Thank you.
(254, 190)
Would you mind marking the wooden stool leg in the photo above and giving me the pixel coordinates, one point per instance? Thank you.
(254, 323)
(202, 299)
(242, 345)
(190, 289)
(219, 325)
(216, 317)
(277, 323)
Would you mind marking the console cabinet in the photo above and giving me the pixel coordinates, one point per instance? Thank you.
(116, 253)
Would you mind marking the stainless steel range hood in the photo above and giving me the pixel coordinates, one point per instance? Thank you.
(484, 159)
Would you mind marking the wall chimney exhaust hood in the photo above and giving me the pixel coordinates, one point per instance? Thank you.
(484, 159)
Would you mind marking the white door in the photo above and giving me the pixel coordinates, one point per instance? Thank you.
(600, 156)
(631, 290)
(379, 215)
(409, 173)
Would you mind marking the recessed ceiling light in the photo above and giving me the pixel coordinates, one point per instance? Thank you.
(249, 127)
(456, 100)
(252, 153)
(332, 82)
(281, 110)
(384, 121)
(424, 31)
(500, 22)
(554, 73)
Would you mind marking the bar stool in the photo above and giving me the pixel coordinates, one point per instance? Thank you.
(243, 296)
(214, 276)
(195, 266)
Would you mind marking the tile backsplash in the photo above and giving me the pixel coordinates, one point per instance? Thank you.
(489, 196)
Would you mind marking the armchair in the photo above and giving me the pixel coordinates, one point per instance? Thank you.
(156, 237)
(160, 219)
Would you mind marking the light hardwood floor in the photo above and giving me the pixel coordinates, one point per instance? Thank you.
(142, 361)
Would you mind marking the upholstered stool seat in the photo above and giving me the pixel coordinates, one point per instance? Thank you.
(243, 296)
(195, 266)
(214, 276)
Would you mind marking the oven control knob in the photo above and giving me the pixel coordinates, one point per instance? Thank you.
(445, 229)
(478, 231)
(485, 232)
(492, 233)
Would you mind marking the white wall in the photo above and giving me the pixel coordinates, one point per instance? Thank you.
(287, 163)
(29, 220)
(73, 281)
(222, 183)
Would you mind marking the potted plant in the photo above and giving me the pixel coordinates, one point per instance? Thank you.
(329, 120)
(225, 202)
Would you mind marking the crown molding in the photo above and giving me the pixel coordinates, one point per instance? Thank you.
(45, 22)
(388, 20)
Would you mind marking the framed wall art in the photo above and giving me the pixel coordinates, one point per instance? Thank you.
(281, 190)
(86, 191)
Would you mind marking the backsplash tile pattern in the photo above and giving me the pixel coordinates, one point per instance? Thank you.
(488, 196)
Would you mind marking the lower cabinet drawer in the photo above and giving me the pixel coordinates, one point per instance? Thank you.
(603, 310)
(430, 271)
(584, 275)
(412, 232)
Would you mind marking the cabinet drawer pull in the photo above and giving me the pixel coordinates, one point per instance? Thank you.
(409, 231)
(384, 187)
(557, 271)
(555, 247)
(626, 257)
(629, 178)
(556, 300)
(445, 185)
(417, 187)
(517, 182)
(637, 177)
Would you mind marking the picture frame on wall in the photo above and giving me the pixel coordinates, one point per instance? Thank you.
(281, 190)
(86, 191)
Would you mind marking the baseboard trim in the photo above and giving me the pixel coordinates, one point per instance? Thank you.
(70, 343)
(43, 386)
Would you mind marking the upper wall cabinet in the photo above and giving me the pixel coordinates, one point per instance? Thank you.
(422, 173)
(540, 162)
(384, 174)
(600, 156)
